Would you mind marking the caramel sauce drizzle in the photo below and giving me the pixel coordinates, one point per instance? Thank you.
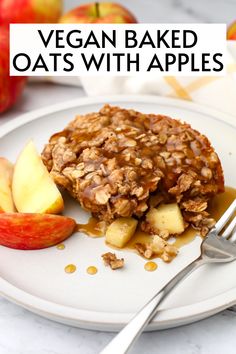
(92, 270)
(150, 266)
(217, 207)
(70, 268)
(92, 228)
(60, 246)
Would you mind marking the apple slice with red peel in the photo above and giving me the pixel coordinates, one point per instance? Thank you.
(33, 189)
(34, 231)
(6, 173)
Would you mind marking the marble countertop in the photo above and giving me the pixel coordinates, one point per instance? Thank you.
(23, 332)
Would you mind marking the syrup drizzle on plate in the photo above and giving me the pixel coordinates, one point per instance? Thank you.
(93, 228)
(92, 270)
(150, 266)
(217, 207)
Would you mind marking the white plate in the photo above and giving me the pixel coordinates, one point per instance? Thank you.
(36, 279)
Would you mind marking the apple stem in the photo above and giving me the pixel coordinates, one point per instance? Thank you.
(97, 9)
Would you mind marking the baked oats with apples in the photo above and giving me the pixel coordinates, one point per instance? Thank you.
(124, 166)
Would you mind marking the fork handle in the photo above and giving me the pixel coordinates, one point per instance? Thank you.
(123, 341)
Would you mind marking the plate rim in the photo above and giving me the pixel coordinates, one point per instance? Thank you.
(105, 320)
(36, 114)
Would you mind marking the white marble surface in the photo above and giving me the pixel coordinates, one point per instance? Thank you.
(25, 333)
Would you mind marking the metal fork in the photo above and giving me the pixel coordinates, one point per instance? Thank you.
(217, 247)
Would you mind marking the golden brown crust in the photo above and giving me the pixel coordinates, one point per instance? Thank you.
(113, 161)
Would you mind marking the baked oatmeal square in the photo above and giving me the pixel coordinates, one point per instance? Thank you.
(120, 163)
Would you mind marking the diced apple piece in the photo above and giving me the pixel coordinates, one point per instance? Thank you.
(120, 231)
(6, 173)
(33, 189)
(166, 217)
(34, 231)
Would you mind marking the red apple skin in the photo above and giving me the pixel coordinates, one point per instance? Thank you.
(30, 11)
(231, 32)
(34, 231)
(108, 13)
(11, 87)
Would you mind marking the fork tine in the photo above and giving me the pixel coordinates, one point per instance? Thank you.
(233, 237)
(230, 228)
(225, 217)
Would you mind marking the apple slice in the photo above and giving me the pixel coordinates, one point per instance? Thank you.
(33, 189)
(34, 231)
(6, 173)
(120, 231)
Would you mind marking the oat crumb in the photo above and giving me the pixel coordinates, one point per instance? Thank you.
(111, 260)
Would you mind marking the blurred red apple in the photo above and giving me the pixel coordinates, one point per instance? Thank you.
(10, 86)
(30, 11)
(34, 231)
(102, 12)
(231, 32)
